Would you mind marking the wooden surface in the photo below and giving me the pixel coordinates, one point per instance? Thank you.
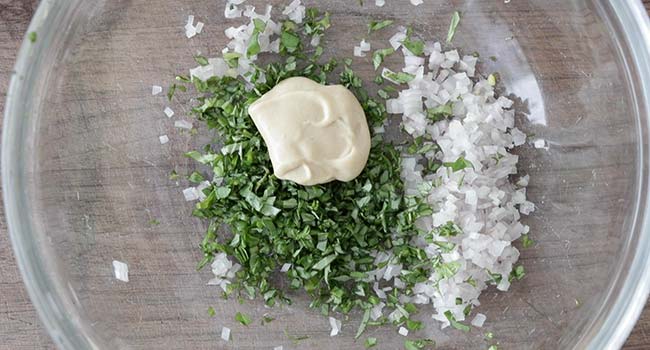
(19, 324)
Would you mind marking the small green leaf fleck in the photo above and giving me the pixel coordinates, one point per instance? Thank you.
(455, 20)
(243, 319)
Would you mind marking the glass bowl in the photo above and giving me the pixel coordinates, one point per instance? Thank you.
(84, 174)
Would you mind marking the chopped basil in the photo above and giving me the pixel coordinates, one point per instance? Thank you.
(455, 20)
(171, 92)
(196, 177)
(295, 338)
(363, 324)
(517, 273)
(414, 325)
(526, 242)
(441, 112)
(182, 78)
(418, 344)
(379, 56)
(243, 319)
(397, 78)
(370, 342)
(324, 262)
(374, 26)
(450, 229)
(460, 164)
(454, 323)
(201, 60)
(492, 79)
(445, 247)
(260, 26)
(267, 319)
(211, 312)
(232, 59)
(415, 46)
(329, 233)
(289, 41)
(254, 45)
(32, 36)
(448, 270)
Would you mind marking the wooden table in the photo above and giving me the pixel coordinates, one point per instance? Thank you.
(19, 324)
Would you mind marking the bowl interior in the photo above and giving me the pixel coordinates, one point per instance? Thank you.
(96, 175)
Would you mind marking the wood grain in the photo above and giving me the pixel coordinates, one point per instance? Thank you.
(19, 324)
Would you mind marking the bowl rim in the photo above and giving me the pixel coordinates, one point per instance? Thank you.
(628, 304)
(68, 332)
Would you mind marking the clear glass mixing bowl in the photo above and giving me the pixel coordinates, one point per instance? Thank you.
(84, 173)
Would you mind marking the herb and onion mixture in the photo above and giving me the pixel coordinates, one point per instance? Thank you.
(429, 221)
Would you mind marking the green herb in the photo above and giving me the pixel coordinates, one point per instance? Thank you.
(492, 80)
(420, 147)
(32, 36)
(363, 324)
(154, 222)
(201, 60)
(374, 26)
(254, 45)
(295, 338)
(455, 20)
(448, 270)
(441, 112)
(450, 229)
(460, 164)
(325, 262)
(196, 177)
(495, 278)
(328, 233)
(493, 58)
(315, 23)
(243, 319)
(517, 273)
(455, 323)
(493, 347)
(171, 92)
(410, 308)
(289, 41)
(397, 78)
(370, 342)
(415, 46)
(445, 247)
(379, 56)
(211, 312)
(267, 319)
(182, 79)
(174, 175)
(232, 59)
(418, 344)
(260, 26)
(497, 158)
(414, 325)
(526, 242)
(489, 335)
